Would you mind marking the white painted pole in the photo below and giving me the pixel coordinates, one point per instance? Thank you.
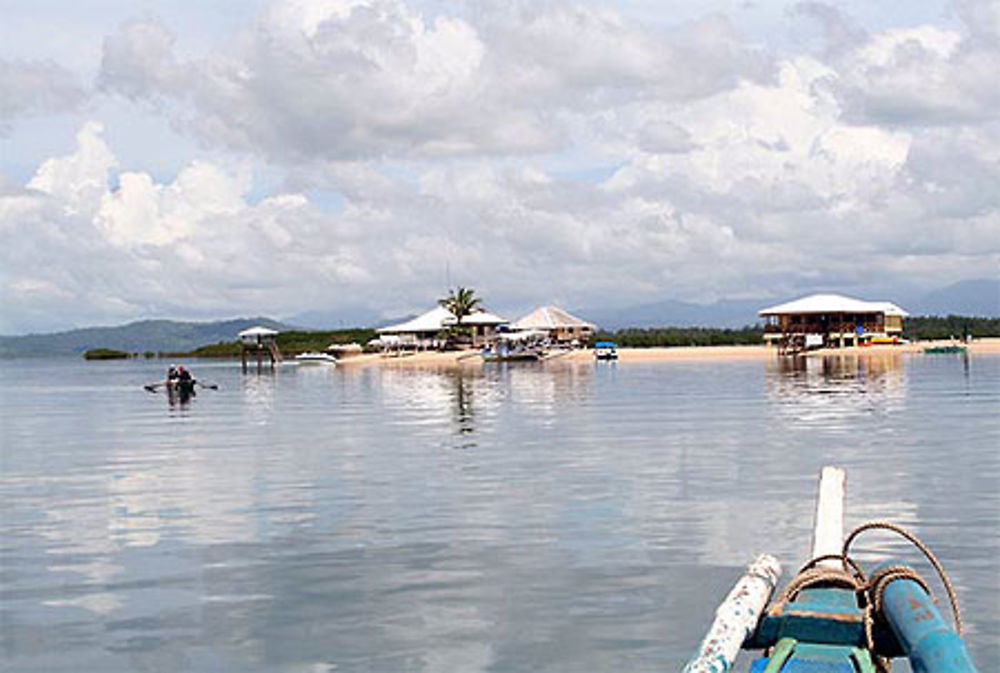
(828, 528)
(737, 617)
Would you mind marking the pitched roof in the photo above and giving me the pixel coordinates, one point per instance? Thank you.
(550, 317)
(438, 318)
(833, 303)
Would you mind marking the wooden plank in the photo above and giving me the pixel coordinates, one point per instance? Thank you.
(828, 526)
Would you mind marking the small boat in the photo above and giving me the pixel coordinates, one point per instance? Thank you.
(507, 354)
(517, 346)
(182, 387)
(936, 350)
(834, 615)
(606, 350)
(315, 358)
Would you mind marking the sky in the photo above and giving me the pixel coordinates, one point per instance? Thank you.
(202, 160)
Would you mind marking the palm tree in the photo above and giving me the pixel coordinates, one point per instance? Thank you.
(461, 302)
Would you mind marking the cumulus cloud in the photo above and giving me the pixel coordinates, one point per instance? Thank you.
(35, 87)
(539, 153)
(818, 202)
(924, 75)
(359, 78)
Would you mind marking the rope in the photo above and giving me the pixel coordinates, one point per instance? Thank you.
(945, 580)
(817, 576)
(869, 590)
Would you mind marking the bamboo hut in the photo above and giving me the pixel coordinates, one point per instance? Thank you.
(560, 325)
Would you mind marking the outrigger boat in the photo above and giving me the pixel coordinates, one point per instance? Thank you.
(178, 386)
(183, 387)
(502, 353)
(833, 617)
(516, 346)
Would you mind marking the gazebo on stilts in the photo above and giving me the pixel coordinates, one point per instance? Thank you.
(256, 342)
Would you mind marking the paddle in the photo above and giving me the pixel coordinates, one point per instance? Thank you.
(151, 387)
(210, 386)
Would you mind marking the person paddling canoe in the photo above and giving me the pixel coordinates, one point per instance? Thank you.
(179, 380)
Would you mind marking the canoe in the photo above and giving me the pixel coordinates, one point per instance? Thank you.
(181, 387)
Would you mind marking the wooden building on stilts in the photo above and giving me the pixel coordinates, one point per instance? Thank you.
(258, 343)
(831, 321)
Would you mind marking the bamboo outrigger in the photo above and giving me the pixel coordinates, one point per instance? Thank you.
(832, 617)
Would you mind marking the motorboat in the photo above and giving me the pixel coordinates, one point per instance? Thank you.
(315, 358)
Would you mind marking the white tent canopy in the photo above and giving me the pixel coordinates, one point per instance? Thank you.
(254, 335)
(438, 318)
(833, 303)
(551, 317)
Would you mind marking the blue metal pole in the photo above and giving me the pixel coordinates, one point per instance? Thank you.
(929, 642)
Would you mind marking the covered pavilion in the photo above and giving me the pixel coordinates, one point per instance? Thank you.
(831, 321)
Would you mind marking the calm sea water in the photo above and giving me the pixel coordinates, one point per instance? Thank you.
(555, 517)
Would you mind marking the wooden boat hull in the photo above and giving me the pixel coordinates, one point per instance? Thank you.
(832, 616)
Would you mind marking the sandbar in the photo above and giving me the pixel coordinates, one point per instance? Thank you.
(470, 358)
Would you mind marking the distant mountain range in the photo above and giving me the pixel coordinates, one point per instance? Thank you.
(135, 337)
(977, 297)
(670, 313)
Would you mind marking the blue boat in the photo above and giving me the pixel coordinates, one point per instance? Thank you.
(835, 616)
(606, 350)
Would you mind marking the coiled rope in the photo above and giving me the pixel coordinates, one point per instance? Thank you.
(886, 575)
(870, 590)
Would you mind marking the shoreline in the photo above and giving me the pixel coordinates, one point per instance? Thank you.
(666, 354)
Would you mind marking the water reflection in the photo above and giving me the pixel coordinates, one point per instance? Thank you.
(258, 396)
(308, 519)
(464, 409)
(837, 388)
(468, 399)
(177, 399)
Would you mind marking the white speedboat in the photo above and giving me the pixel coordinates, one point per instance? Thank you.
(314, 358)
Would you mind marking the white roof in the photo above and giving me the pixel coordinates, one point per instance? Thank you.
(890, 308)
(523, 335)
(550, 317)
(438, 318)
(482, 317)
(257, 331)
(833, 303)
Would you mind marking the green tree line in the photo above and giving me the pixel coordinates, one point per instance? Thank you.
(289, 343)
(915, 328)
(937, 327)
(681, 336)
